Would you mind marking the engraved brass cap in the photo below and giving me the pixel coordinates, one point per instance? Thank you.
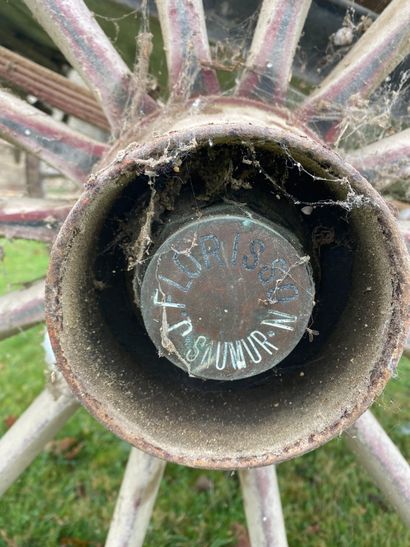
(227, 297)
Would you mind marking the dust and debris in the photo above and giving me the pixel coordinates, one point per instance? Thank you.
(229, 175)
(341, 41)
(140, 247)
(141, 74)
(311, 334)
(286, 274)
(367, 120)
(363, 120)
(166, 342)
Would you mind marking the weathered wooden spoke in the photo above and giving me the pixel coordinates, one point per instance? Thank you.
(383, 461)
(384, 162)
(71, 153)
(186, 47)
(32, 218)
(269, 62)
(136, 500)
(263, 508)
(32, 431)
(84, 44)
(361, 71)
(22, 309)
(51, 88)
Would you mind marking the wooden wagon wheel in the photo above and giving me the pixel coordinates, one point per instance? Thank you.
(167, 201)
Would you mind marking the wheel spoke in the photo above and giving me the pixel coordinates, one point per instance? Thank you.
(69, 152)
(187, 48)
(37, 426)
(384, 162)
(34, 183)
(383, 461)
(269, 63)
(20, 310)
(135, 500)
(263, 507)
(32, 218)
(75, 31)
(51, 88)
(364, 68)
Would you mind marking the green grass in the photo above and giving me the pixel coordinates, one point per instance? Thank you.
(66, 497)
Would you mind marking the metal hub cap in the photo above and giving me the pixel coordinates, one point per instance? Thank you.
(227, 297)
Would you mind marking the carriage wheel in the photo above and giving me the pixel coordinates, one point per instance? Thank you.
(229, 291)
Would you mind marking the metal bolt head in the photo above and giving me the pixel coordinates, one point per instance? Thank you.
(227, 297)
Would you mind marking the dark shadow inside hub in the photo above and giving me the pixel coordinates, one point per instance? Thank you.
(271, 184)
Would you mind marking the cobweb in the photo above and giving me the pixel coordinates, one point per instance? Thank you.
(319, 50)
(330, 31)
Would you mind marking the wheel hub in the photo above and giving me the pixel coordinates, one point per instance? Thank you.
(228, 169)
